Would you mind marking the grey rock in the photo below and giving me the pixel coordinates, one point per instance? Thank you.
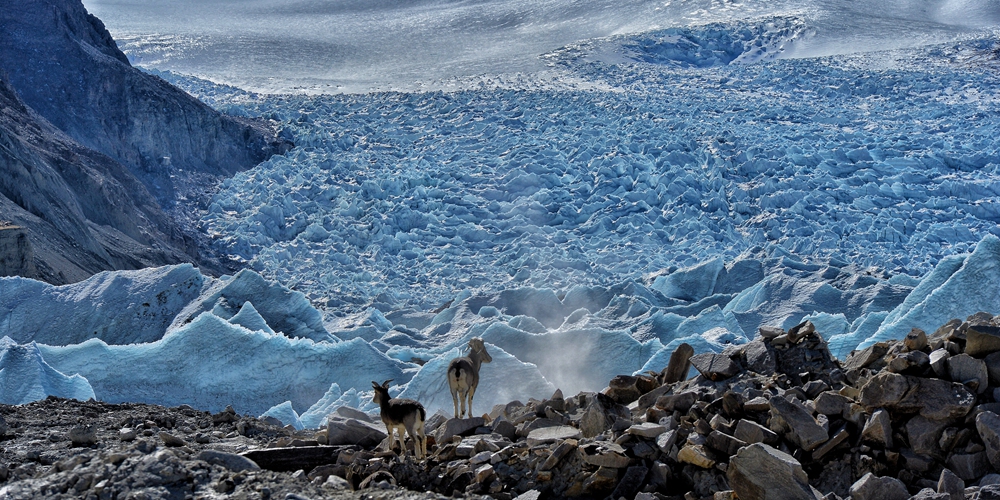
(993, 368)
(752, 432)
(605, 454)
(989, 479)
(681, 402)
(127, 434)
(831, 403)
(552, 434)
(838, 437)
(988, 425)
(865, 357)
(760, 357)
(343, 431)
(982, 340)
(666, 441)
(952, 485)
(83, 435)
(348, 412)
(933, 398)
(924, 435)
(678, 366)
(913, 361)
(916, 340)
(883, 488)
(759, 472)
(969, 466)
(647, 430)
(457, 427)
(715, 366)
(725, 443)
(630, 483)
(930, 494)
(503, 427)
(623, 389)
(171, 440)
(557, 454)
(231, 461)
(336, 483)
(796, 424)
(770, 332)
(970, 371)
(939, 362)
(878, 429)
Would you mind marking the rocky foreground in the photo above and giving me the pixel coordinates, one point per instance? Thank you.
(775, 418)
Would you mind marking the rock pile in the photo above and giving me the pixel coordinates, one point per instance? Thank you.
(778, 417)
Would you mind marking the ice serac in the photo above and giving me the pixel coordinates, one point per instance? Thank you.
(957, 288)
(253, 371)
(68, 211)
(26, 377)
(120, 307)
(66, 66)
(282, 310)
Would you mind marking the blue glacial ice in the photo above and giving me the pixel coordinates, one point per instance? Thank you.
(677, 185)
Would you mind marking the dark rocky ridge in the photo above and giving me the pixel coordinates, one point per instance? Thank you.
(95, 150)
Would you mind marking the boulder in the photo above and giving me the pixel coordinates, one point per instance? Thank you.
(696, 455)
(760, 472)
(752, 432)
(605, 454)
(993, 368)
(715, 366)
(678, 366)
(924, 435)
(952, 485)
(988, 425)
(939, 362)
(457, 427)
(341, 431)
(680, 402)
(982, 340)
(623, 389)
(759, 357)
(916, 340)
(969, 466)
(878, 429)
(969, 371)
(884, 488)
(933, 398)
(231, 461)
(723, 442)
(631, 482)
(647, 430)
(796, 424)
(831, 403)
(552, 434)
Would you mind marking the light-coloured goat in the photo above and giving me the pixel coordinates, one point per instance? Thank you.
(399, 415)
(463, 374)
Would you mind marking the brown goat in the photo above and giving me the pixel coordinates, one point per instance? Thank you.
(463, 374)
(399, 415)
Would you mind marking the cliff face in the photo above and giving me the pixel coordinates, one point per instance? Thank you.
(17, 258)
(80, 211)
(65, 65)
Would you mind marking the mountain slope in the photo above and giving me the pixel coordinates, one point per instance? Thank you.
(65, 65)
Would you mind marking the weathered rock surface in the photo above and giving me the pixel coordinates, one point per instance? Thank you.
(760, 472)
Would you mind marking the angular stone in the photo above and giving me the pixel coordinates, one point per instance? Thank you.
(839, 437)
(831, 403)
(666, 441)
(678, 366)
(557, 454)
(914, 362)
(83, 435)
(939, 362)
(695, 455)
(348, 412)
(759, 357)
(647, 430)
(231, 461)
(598, 484)
(605, 454)
(993, 368)
(933, 398)
(988, 425)
(752, 432)
(916, 340)
(171, 440)
(681, 402)
(796, 423)
(503, 427)
(924, 435)
(951, 484)
(982, 340)
(343, 431)
(723, 442)
(758, 403)
(878, 429)
(715, 366)
(623, 389)
(870, 487)
(484, 473)
(760, 472)
(970, 371)
(929, 494)
(857, 360)
(969, 466)
(553, 434)
(630, 482)
(457, 427)
(770, 332)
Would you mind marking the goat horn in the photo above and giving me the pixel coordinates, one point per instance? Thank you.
(386, 383)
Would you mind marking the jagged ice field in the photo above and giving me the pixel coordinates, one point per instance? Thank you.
(684, 175)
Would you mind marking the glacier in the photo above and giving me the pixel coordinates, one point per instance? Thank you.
(683, 181)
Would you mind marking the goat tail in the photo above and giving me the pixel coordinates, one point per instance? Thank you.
(423, 414)
(458, 372)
